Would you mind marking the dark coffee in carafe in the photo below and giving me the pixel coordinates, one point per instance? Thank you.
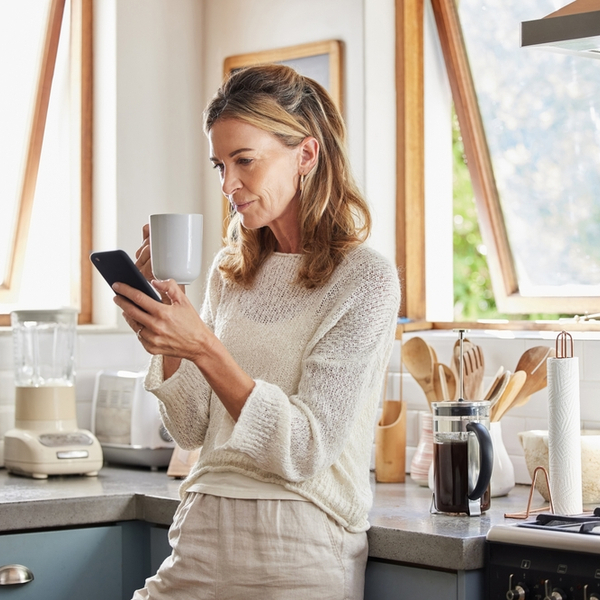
(462, 457)
(451, 485)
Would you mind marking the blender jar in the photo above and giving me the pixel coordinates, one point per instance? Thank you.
(44, 358)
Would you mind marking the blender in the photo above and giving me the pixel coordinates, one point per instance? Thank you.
(46, 440)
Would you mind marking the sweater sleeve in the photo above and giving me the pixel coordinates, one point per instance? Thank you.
(295, 437)
(185, 396)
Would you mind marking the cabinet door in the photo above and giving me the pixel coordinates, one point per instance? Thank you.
(69, 564)
(391, 581)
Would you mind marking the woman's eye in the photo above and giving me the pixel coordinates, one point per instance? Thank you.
(244, 161)
(218, 166)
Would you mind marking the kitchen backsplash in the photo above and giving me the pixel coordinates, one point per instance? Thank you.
(503, 349)
(113, 350)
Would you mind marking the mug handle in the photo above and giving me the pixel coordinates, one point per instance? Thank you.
(486, 459)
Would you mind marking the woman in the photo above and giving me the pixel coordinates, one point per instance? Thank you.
(279, 378)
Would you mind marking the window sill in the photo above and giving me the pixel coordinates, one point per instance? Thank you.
(582, 330)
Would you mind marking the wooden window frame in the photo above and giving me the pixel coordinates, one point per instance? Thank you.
(410, 200)
(82, 94)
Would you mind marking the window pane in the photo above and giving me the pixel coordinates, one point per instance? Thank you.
(51, 268)
(541, 114)
(22, 28)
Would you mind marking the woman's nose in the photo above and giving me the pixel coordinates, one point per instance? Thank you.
(230, 182)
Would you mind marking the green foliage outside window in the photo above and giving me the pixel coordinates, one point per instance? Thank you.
(473, 295)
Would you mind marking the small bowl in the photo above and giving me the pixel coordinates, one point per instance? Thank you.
(535, 447)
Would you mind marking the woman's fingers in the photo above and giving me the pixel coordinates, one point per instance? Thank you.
(172, 330)
(134, 302)
(143, 256)
(170, 289)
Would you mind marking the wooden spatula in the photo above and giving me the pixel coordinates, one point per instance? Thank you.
(505, 402)
(444, 382)
(533, 363)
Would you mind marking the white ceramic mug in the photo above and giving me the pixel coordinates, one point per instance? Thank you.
(176, 246)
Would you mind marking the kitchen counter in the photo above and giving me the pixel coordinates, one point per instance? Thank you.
(402, 529)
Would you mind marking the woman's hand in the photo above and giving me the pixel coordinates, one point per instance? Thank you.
(142, 254)
(144, 261)
(172, 329)
(176, 331)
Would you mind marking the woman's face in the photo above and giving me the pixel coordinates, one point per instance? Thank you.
(259, 177)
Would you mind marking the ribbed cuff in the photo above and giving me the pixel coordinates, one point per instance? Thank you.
(258, 422)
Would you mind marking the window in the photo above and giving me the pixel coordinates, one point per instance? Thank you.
(46, 148)
(529, 123)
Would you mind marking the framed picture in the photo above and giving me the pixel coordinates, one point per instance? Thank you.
(321, 61)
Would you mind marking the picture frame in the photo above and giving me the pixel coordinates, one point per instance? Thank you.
(321, 61)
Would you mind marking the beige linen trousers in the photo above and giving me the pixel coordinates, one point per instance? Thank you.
(237, 549)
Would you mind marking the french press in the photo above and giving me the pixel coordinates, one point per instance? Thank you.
(462, 453)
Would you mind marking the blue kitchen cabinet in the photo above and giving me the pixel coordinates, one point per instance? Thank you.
(107, 562)
(393, 581)
(68, 564)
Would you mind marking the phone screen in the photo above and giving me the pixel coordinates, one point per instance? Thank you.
(117, 266)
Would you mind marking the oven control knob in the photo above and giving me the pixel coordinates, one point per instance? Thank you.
(555, 594)
(519, 592)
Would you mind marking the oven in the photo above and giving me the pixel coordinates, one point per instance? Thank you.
(550, 558)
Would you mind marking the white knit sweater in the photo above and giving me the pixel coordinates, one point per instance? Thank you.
(317, 357)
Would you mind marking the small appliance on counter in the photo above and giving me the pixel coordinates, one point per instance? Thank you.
(46, 439)
(126, 421)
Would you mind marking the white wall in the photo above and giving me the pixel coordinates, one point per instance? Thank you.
(148, 140)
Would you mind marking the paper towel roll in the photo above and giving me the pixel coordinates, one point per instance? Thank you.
(564, 442)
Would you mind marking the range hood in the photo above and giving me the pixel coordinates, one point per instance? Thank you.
(573, 29)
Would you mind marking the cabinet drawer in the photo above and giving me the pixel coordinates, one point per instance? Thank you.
(67, 564)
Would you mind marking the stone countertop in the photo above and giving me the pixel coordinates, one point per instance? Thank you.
(402, 528)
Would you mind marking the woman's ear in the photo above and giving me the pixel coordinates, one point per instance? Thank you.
(309, 154)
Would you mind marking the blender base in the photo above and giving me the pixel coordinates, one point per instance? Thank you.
(65, 453)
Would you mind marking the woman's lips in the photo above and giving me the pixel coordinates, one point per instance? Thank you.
(243, 206)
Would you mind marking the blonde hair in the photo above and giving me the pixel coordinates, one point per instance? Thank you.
(333, 215)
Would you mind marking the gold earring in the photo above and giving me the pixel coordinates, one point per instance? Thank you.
(302, 181)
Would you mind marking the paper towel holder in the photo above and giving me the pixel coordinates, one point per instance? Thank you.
(564, 345)
(528, 511)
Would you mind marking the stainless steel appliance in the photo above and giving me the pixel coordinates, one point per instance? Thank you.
(46, 439)
(550, 558)
(126, 421)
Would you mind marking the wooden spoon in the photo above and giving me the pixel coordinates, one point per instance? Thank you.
(493, 384)
(496, 392)
(433, 354)
(418, 360)
(444, 382)
(533, 362)
(505, 402)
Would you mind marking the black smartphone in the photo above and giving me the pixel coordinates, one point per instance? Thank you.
(116, 265)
